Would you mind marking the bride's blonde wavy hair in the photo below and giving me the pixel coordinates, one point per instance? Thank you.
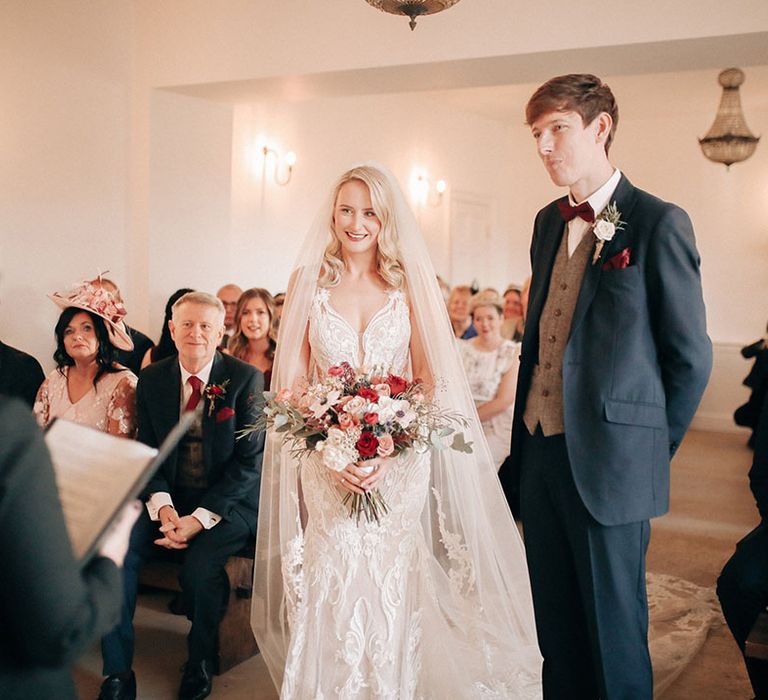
(389, 265)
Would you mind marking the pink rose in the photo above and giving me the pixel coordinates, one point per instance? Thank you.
(356, 406)
(382, 389)
(346, 422)
(386, 445)
(335, 371)
(371, 418)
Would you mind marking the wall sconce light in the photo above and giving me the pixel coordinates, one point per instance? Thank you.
(426, 194)
(729, 139)
(289, 160)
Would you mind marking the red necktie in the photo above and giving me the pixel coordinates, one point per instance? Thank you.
(194, 398)
(584, 210)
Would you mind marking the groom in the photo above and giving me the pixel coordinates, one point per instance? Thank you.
(615, 358)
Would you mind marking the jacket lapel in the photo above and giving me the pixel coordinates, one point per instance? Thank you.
(218, 371)
(550, 238)
(624, 196)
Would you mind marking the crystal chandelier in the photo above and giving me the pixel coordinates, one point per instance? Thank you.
(412, 8)
(729, 140)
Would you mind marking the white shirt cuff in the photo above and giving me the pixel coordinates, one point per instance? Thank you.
(206, 517)
(156, 501)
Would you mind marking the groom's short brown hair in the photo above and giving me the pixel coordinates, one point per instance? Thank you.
(582, 93)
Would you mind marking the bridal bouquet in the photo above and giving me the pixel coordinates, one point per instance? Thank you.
(351, 416)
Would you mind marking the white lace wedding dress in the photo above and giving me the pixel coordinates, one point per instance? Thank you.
(369, 619)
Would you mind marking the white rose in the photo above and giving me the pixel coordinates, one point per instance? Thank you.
(604, 230)
(334, 458)
(335, 437)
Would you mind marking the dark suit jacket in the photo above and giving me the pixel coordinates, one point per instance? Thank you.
(50, 610)
(233, 465)
(20, 374)
(637, 359)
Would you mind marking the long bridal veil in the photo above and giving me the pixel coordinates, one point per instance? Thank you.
(478, 562)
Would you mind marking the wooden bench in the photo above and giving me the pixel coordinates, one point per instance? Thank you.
(236, 641)
(756, 646)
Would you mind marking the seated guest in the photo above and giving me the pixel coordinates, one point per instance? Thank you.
(229, 294)
(490, 362)
(20, 374)
(512, 325)
(458, 312)
(748, 415)
(743, 583)
(203, 500)
(141, 344)
(88, 386)
(51, 609)
(165, 346)
(253, 340)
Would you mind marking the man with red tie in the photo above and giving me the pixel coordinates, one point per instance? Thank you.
(614, 361)
(203, 501)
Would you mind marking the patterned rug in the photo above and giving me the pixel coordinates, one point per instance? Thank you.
(681, 615)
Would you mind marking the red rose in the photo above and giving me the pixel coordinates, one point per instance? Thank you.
(397, 385)
(371, 418)
(335, 371)
(367, 445)
(224, 413)
(215, 390)
(368, 395)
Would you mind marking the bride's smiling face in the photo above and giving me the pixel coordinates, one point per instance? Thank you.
(355, 223)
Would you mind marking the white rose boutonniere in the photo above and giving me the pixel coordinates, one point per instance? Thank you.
(605, 228)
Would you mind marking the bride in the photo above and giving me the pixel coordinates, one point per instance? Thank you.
(433, 601)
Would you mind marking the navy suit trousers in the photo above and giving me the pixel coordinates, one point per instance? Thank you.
(204, 584)
(588, 583)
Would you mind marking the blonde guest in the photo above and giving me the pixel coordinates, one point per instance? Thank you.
(253, 339)
(490, 362)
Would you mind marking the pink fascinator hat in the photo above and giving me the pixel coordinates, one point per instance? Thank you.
(98, 301)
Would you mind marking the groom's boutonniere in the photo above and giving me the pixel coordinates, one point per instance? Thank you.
(605, 228)
(214, 392)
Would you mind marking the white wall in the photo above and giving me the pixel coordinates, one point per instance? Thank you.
(65, 78)
(189, 237)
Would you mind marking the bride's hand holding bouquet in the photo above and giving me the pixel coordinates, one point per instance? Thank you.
(359, 423)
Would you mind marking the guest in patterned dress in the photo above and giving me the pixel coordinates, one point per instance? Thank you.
(88, 386)
(490, 362)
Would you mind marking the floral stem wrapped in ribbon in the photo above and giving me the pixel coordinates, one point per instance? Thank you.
(352, 416)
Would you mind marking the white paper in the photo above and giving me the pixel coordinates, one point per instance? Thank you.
(95, 471)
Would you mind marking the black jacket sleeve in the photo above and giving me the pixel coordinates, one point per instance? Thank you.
(50, 609)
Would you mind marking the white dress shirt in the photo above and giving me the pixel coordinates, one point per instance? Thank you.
(159, 499)
(598, 200)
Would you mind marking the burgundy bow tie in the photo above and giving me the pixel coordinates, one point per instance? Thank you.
(584, 210)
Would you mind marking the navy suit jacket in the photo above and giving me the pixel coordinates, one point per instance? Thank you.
(233, 466)
(636, 362)
(20, 374)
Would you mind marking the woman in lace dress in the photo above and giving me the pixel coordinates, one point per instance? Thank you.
(433, 600)
(88, 386)
(491, 364)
